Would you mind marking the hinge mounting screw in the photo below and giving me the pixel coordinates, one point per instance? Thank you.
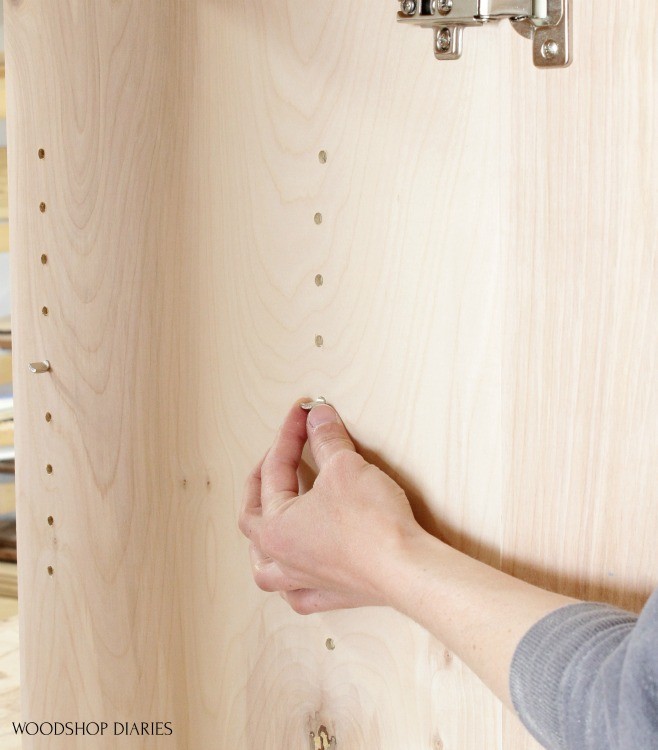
(549, 49)
(546, 23)
(443, 40)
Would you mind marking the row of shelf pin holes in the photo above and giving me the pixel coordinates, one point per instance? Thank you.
(39, 367)
(319, 280)
(329, 643)
(319, 340)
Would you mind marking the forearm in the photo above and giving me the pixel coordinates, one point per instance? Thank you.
(478, 612)
(570, 671)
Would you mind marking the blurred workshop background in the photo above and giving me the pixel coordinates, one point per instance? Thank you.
(9, 662)
(7, 495)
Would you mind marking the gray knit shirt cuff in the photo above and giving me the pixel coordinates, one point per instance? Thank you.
(566, 677)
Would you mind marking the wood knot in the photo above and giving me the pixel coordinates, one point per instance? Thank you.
(322, 741)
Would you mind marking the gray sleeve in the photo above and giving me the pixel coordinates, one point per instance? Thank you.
(585, 677)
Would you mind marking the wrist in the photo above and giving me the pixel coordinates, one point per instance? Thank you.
(400, 578)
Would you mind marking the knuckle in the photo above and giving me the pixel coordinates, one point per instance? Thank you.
(271, 540)
(304, 602)
(345, 463)
(335, 440)
(263, 581)
(246, 525)
(301, 607)
(368, 471)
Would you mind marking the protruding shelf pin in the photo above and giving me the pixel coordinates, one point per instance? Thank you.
(37, 367)
(308, 405)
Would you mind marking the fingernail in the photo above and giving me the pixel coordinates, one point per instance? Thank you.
(322, 414)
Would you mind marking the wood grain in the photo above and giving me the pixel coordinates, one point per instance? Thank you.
(488, 336)
(581, 320)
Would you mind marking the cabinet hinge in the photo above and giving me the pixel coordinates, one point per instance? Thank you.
(547, 23)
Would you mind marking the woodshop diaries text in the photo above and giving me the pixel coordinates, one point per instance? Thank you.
(92, 728)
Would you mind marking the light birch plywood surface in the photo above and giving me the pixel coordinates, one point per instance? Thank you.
(580, 411)
(486, 247)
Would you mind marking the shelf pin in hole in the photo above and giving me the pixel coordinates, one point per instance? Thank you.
(38, 367)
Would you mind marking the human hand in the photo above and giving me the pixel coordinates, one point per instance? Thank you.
(352, 541)
(333, 546)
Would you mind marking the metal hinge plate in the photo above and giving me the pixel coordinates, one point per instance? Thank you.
(321, 740)
(546, 22)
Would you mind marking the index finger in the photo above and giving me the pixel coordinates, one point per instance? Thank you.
(279, 470)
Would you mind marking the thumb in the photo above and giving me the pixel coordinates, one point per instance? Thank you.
(326, 434)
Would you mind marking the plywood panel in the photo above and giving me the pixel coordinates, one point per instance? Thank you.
(181, 178)
(180, 181)
(581, 318)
